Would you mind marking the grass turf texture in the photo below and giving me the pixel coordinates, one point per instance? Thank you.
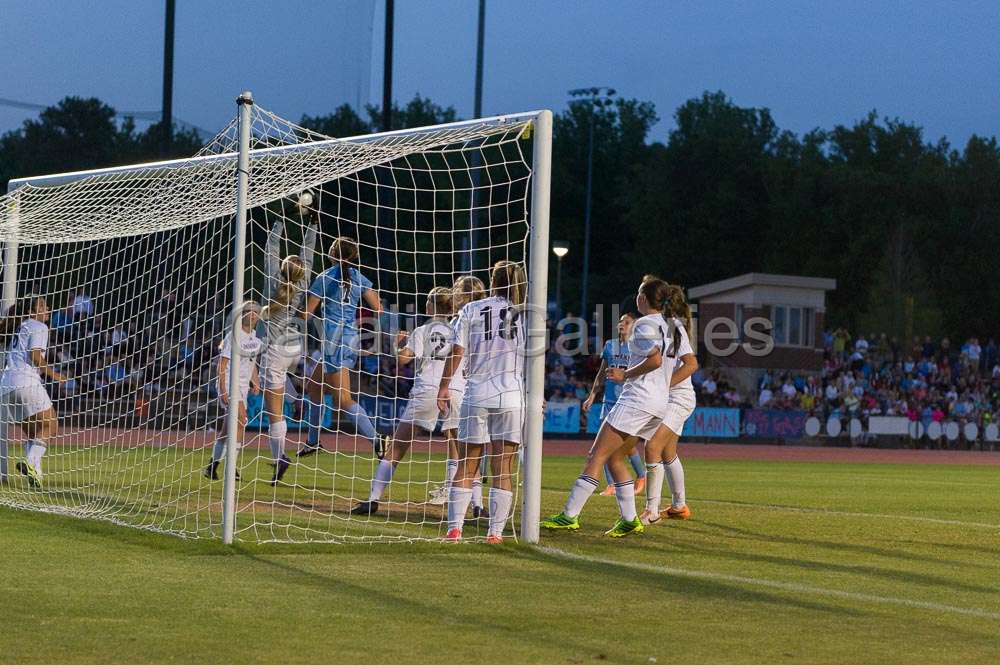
(848, 585)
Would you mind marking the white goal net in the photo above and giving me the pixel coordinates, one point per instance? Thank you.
(127, 276)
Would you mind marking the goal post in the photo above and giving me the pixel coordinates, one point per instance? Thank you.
(146, 269)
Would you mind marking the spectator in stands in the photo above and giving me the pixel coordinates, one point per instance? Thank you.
(765, 397)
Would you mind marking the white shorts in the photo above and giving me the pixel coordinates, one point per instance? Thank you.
(244, 391)
(423, 412)
(22, 402)
(633, 422)
(678, 411)
(480, 425)
(274, 365)
(451, 419)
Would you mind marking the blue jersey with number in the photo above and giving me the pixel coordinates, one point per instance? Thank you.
(340, 304)
(615, 354)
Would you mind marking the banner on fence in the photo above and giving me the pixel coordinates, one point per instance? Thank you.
(562, 417)
(768, 424)
(889, 425)
(713, 422)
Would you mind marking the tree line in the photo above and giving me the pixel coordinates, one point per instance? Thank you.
(907, 226)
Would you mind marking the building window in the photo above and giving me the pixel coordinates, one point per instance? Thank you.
(793, 326)
(779, 317)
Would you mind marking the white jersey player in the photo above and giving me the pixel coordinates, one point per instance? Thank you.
(661, 450)
(490, 332)
(428, 347)
(639, 411)
(249, 382)
(23, 398)
(288, 280)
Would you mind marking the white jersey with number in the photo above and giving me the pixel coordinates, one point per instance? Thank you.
(431, 345)
(250, 346)
(459, 377)
(19, 370)
(648, 392)
(491, 331)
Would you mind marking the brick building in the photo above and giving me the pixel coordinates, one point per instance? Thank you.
(740, 317)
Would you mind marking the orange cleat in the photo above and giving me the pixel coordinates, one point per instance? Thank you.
(453, 536)
(682, 513)
(608, 491)
(494, 540)
(640, 485)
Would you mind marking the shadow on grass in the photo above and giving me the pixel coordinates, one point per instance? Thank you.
(672, 583)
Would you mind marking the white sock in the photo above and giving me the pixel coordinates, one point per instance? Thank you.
(625, 493)
(219, 450)
(458, 503)
(654, 486)
(477, 492)
(276, 437)
(500, 501)
(675, 477)
(383, 476)
(450, 468)
(578, 495)
(35, 453)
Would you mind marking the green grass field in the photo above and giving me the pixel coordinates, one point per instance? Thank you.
(783, 562)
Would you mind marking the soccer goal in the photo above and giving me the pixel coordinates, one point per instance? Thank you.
(164, 287)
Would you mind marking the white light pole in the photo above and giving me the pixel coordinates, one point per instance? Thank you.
(560, 249)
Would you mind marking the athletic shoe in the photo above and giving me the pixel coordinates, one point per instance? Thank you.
(309, 449)
(28, 469)
(438, 496)
(624, 528)
(682, 513)
(453, 535)
(480, 513)
(380, 445)
(212, 471)
(608, 491)
(640, 485)
(562, 521)
(365, 508)
(649, 517)
(494, 540)
(280, 468)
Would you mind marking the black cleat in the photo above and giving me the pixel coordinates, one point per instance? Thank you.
(365, 508)
(380, 445)
(280, 468)
(26, 470)
(309, 449)
(212, 471)
(480, 512)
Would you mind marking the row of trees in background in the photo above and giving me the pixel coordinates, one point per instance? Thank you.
(909, 228)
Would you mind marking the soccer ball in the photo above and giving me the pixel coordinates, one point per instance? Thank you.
(305, 199)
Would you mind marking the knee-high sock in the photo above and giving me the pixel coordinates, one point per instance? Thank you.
(35, 452)
(477, 491)
(654, 486)
(457, 505)
(219, 450)
(675, 477)
(625, 493)
(314, 416)
(276, 437)
(500, 501)
(383, 476)
(450, 467)
(361, 421)
(578, 495)
(638, 465)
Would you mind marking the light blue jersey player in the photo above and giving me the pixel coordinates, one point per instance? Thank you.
(615, 354)
(340, 290)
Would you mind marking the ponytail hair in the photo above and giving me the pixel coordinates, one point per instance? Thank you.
(344, 251)
(292, 271)
(655, 290)
(16, 315)
(466, 289)
(440, 300)
(508, 281)
(676, 306)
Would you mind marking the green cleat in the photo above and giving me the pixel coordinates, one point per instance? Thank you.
(561, 521)
(28, 469)
(624, 528)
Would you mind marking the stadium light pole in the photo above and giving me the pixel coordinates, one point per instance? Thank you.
(390, 12)
(167, 115)
(596, 97)
(560, 249)
(469, 243)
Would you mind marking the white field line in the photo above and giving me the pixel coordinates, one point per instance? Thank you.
(844, 513)
(772, 584)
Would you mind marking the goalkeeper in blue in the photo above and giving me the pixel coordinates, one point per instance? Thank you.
(638, 413)
(340, 289)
